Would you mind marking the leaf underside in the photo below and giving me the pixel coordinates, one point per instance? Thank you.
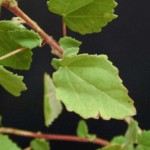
(90, 86)
(84, 16)
(52, 106)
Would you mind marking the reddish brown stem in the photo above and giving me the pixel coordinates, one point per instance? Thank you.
(64, 28)
(52, 136)
(49, 40)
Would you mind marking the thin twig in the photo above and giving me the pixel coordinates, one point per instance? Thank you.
(49, 40)
(52, 136)
(12, 53)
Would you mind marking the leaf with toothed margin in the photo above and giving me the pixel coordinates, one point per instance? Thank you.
(90, 86)
(12, 37)
(11, 82)
(70, 46)
(52, 106)
(84, 16)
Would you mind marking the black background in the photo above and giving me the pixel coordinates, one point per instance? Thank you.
(126, 41)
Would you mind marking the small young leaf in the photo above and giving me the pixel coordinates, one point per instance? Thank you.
(7, 144)
(89, 85)
(84, 16)
(144, 140)
(52, 107)
(11, 82)
(70, 46)
(39, 144)
(118, 140)
(82, 129)
(131, 134)
(91, 137)
(69, 42)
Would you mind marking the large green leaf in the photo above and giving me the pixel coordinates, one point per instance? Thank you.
(12, 37)
(11, 82)
(52, 106)
(89, 85)
(39, 144)
(84, 16)
(7, 144)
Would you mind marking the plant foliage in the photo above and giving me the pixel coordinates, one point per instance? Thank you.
(88, 85)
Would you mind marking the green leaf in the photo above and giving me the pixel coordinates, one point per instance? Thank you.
(89, 85)
(39, 144)
(117, 147)
(84, 16)
(91, 137)
(25, 38)
(56, 63)
(70, 46)
(11, 82)
(7, 144)
(113, 147)
(82, 129)
(1, 1)
(139, 147)
(132, 133)
(144, 140)
(12, 37)
(52, 107)
(119, 140)
(69, 42)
